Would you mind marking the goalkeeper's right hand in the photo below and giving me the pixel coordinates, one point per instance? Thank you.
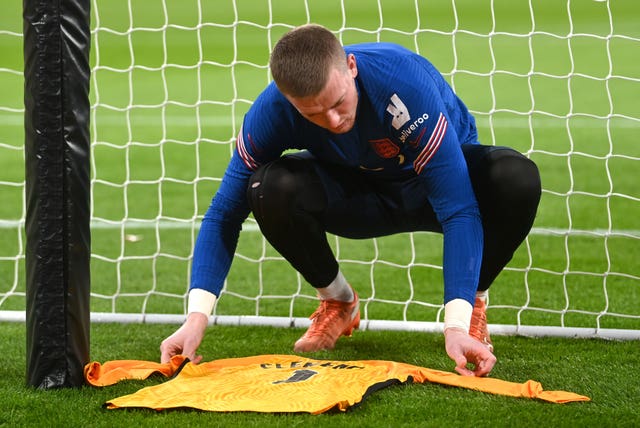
(186, 340)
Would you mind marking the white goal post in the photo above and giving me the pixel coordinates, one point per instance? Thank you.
(171, 80)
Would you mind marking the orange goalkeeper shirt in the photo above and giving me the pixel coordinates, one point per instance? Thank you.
(286, 383)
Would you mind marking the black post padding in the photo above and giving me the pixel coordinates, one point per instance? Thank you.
(57, 149)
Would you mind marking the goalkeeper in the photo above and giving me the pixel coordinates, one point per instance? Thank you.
(376, 143)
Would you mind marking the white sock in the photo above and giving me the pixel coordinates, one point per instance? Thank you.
(339, 289)
(483, 295)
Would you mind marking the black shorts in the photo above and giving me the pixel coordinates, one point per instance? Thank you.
(360, 205)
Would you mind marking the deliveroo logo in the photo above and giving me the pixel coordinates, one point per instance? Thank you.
(399, 112)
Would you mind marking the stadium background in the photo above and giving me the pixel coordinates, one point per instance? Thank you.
(172, 80)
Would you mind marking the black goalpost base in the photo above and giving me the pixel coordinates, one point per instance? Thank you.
(57, 149)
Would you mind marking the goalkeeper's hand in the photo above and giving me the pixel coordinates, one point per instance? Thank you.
(464, 349)
(186, 340)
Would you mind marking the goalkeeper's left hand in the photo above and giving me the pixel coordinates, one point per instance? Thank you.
(463, 349)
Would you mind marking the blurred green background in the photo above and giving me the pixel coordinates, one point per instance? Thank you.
(172, 79)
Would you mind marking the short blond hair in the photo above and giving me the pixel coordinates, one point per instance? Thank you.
(303, 58)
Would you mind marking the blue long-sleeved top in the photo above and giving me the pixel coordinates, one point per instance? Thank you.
(409, 123)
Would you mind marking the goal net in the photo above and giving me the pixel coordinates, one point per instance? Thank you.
(172, 79)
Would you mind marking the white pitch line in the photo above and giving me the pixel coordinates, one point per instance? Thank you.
(253, 227)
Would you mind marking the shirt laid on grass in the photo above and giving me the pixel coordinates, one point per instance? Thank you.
(286, 383)
(409, 124)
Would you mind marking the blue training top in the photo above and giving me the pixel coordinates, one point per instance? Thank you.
(409, 123)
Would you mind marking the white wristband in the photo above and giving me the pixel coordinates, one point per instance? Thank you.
(457, 314)
(200, 301)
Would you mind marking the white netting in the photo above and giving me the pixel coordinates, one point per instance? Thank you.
(12, 211)
(170, 83)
